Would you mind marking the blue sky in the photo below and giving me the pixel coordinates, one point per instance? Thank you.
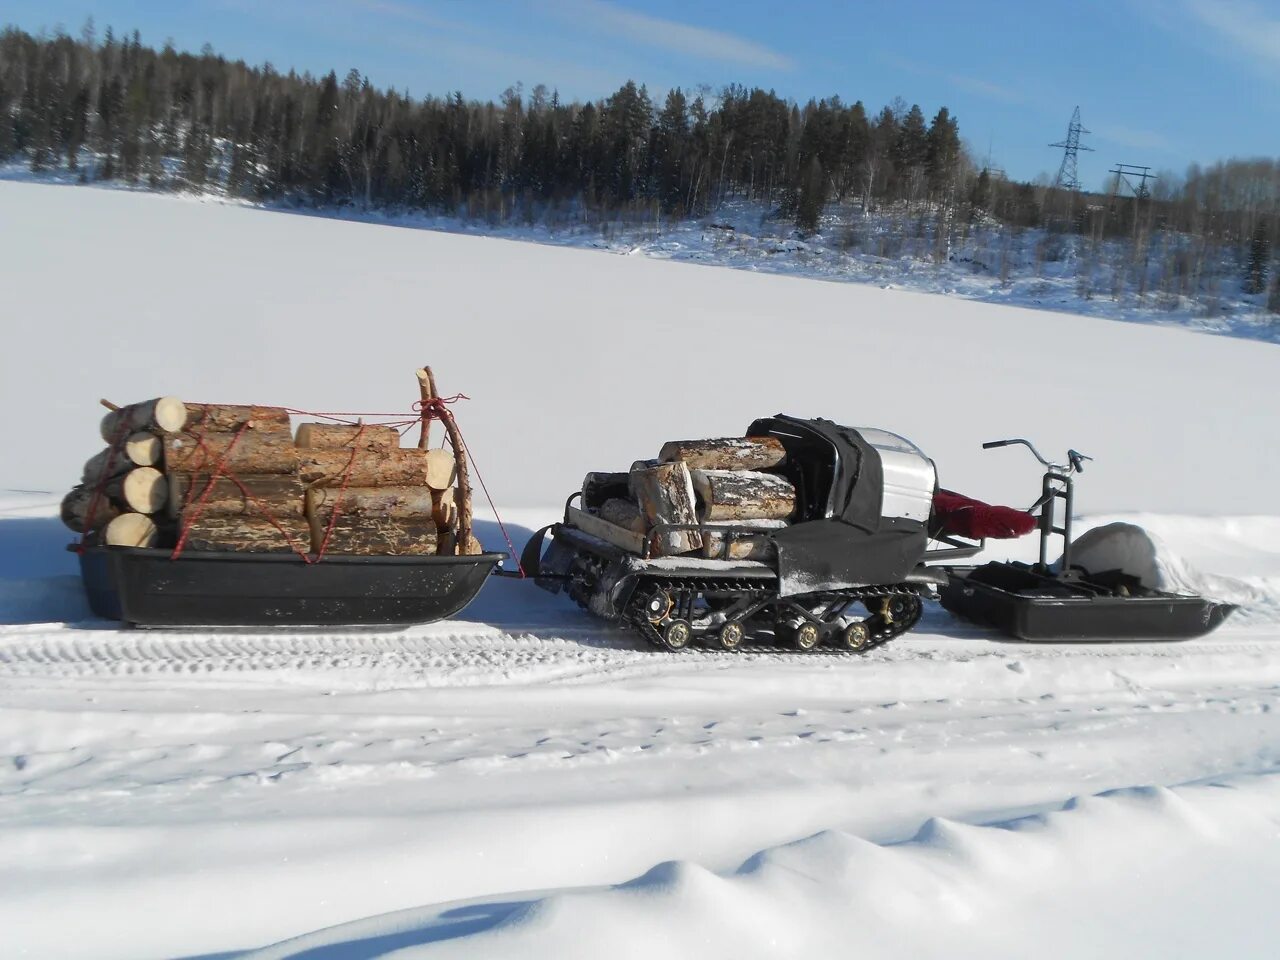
(1159, 82)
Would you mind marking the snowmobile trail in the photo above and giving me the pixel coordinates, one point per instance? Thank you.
(331, 772)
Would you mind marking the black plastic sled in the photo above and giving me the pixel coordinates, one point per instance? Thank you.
(147, 588)
(1064, 602)
(1018, 601)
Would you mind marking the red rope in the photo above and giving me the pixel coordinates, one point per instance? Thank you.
(99, 489)
(337, 504)
(208, 488)
(436, 408)
(511, 547)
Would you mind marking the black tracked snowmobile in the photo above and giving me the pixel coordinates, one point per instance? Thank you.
(847, 572)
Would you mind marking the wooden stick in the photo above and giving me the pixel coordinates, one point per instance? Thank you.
(427, 388)
(465, 541)
(109, 405)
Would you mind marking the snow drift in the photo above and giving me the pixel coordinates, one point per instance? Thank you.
(1146, 872)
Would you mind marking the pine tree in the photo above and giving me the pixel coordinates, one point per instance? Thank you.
(980, 192)
(813, 196)
(942, 151)
(912, 147)
(1255, 272)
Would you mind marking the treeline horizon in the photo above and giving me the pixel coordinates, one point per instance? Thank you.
(115, 109)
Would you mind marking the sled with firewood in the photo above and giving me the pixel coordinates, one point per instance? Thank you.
(224, 515)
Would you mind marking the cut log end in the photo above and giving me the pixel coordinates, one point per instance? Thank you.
(143, 449)
(144, 490)
(162, 415)
(442, 469)
(131, 530)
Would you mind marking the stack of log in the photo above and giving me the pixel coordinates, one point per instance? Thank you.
(710, 489)
(222, 477)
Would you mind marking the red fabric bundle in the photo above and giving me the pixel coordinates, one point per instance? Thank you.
(966, 517)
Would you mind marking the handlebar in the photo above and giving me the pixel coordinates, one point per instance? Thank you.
(1075, 459)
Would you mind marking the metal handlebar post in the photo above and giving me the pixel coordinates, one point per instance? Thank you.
(1074, 464)
(1057, 485)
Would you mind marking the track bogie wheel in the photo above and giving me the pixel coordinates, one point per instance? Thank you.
(806, 636)
(730, 636)
(677, 634)
(855, 638)
(891, 609)
(658, 606)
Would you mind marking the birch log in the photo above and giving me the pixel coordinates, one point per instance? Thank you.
(248, 534)
(370, 468)
(727, 453)
(131, 530)
(162, 415)
(253, 452)
(228, 418)
(77, 504)
(665, 495)
(277, 495)
(342, 436)
(623, 513)
(743, 495)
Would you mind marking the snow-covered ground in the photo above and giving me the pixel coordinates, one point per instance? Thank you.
(892, 249)
(194, 794)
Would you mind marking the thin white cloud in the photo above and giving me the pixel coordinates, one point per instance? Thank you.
(669, 34)
(1236, 30)
(1244, 25)
(404, 11)
(1134, 137)
(985, 88)
(974, 85)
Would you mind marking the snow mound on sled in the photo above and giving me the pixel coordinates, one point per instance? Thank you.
(1142, 554)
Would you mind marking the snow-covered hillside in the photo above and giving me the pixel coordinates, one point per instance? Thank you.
(184, 794)
(893, 248)
(575, 359)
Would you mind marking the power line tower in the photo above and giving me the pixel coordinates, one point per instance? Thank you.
(1126, 173)
(1068, 178)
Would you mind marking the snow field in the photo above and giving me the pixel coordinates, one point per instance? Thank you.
(579, 360)
(188, 793)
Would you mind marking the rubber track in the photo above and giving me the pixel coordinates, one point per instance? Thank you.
(637, 620)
